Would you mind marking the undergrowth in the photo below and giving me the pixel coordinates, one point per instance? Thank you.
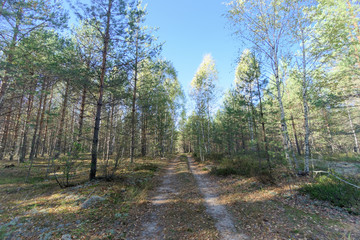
(244, 165)
(343, 157)
(328, 188)
(147, 167)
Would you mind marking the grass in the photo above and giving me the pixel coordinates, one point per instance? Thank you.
(328, 188)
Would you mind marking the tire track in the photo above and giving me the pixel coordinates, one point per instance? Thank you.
(152, 230)
(222, 217)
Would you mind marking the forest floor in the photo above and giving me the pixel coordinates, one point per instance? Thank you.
(173, 198)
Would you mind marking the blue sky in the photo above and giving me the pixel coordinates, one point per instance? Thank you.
(191, 29)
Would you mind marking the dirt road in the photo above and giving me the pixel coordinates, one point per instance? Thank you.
(185, 206)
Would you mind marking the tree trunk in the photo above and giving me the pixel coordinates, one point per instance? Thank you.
(72, 127)
(82, 113)
(263, 127)
(251, 130)
(242, 138)
(26, 128)
(255, 127)
(94, 151)
(17, 127)
(283, 120)
(44, 148)
(134, 103)
(329, 130)
(109, 144)
(306, 108)
(40, 136)
(32, 151)
(4, 139)
(295, 135)
(58, 141)
(143, 135)
(65, 145)
(356, 147)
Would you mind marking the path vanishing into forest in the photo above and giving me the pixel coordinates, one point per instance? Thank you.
(186, 201)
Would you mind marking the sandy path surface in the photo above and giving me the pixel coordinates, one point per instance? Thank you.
(166, 192)
(224, 222)
(184, 205)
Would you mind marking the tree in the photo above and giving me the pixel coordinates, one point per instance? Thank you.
(203, 93)
(140, 42)
(265, 25)
(108, 17)
(18, 20)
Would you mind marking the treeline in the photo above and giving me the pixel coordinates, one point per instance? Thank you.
(296, 89)
(98, 87)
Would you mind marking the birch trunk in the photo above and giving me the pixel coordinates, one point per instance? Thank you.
(283, 120)
(306, 107)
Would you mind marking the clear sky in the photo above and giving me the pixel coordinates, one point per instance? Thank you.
(191, 29)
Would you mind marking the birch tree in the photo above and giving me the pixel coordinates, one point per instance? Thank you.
(203, 94)
(265, 25)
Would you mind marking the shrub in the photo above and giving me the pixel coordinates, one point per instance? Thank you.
(244, 165)
(216, 157)
(223, 171)
(328, 188)
(147, 167)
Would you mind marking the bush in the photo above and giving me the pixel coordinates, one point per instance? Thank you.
(215, 157)
(147, 167)
(328, 188)
(223, 171)
(244, 165)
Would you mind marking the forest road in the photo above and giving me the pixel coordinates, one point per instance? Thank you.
(152, 228)
(223, 220)
(184, 205)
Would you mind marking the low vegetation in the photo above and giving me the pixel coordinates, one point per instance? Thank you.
(38, 207)
(338, 193)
